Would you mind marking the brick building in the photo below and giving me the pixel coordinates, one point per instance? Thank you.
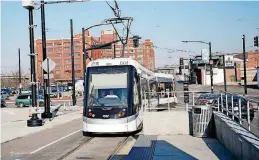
(59, 51)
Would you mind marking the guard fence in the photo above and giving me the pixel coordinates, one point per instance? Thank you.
(241, 109)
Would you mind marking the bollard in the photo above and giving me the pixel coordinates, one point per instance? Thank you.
(145, 102)
(168, 102)
(239, 108)
(193, 99)
(248, 116)
(227, 103)
(218, 105)
(232, 101)
(221, 102)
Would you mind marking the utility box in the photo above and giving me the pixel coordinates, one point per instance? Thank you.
(201, 120)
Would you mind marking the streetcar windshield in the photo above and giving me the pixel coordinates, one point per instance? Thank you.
(108, 87)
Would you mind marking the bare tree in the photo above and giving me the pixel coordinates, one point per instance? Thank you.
(11, 79)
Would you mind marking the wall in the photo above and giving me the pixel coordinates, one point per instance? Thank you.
(218, 76)
(241, 143)
(162, 123)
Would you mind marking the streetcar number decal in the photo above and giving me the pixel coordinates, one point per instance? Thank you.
(123, 62)
(105, 116)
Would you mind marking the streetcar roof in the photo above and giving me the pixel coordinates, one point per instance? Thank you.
(123, 61)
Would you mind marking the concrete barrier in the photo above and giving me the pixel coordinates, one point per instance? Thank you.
(242, 143)
(166, 123)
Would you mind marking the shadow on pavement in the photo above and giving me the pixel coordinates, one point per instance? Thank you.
(158, 149)
(218, 149)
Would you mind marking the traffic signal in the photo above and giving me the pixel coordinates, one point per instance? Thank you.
(136, 41)
(256, 41)
(181, 62)
(86, 55)
(186, 94)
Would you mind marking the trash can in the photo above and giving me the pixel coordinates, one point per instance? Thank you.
(201, 120)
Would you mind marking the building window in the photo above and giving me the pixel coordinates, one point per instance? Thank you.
(77, 66)
(66, 48)
(67, 66)
(58, 60)
(67, 71)
(59, 55)
(58, 72)
(58, 49)
(49, 50)
(58, 66)
(77, 59)
(49, 44)
(67, 60)
(66, 43)
(58, 44)
(76, 43)
(77, 48)
(67, 54)
(77, 53)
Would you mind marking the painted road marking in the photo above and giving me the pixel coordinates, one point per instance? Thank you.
(47, 145)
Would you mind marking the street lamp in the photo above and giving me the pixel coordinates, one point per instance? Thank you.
(34, 121)
(47, 113)
(211, 70)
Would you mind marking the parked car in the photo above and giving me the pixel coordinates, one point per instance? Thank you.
(3, 103)
(4, 94)
(236, 105)
(7, 90)
(207, 98)
(25, 100)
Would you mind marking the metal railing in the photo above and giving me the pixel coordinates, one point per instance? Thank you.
(240, 108)
(171, 99)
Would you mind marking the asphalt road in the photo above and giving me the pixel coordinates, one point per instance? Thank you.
(39, 145)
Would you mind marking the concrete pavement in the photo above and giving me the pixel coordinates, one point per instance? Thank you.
(14, 122)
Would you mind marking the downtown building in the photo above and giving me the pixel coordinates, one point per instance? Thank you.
(59, 50)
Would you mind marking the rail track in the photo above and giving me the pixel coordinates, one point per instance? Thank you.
(97, 148)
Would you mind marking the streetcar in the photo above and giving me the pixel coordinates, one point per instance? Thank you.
(166, 88)
(115, 96)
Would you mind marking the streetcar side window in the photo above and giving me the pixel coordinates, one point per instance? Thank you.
(136, 93)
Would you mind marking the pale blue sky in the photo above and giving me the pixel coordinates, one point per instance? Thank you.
(165, 23)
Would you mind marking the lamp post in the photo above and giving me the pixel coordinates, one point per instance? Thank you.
(46, 113)
(210, 61)
(34, 121)
(244, 60)
(20, 81)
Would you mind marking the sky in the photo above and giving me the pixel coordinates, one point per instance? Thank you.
(166, 23)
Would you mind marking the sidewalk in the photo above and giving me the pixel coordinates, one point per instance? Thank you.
(14, 122)
(12, 100)
(178, 147)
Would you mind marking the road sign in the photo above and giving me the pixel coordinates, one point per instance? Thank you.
(50, 76)
(229, 60)
(205, 55)
(48, 62)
